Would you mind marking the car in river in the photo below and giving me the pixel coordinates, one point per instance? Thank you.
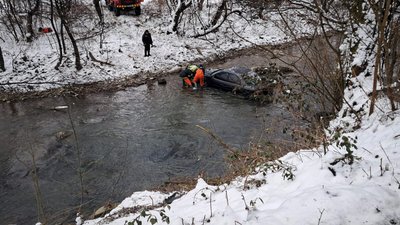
(237, 79)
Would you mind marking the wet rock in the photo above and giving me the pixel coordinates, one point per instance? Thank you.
(61, 135)
(103, 210)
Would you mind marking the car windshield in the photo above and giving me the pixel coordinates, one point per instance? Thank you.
(238, 75)
(248, 75)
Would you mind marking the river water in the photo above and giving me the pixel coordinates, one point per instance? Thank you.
(128, 140)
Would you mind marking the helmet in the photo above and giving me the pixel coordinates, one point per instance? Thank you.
(201, 66)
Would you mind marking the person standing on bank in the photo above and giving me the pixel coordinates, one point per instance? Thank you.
(147, 42)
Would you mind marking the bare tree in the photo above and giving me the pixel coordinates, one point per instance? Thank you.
(383, 11)
(12, 21)
(63, 8)
(221, 8)
(199, 18)
(59, 42)
(96, 4)
(345, 17)
(392, 49)
(19, 17)
(2, 66)
(179, 7)
(32, 9)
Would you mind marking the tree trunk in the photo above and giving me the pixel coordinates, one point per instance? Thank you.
(2, 66)
(62, 37)
(16, 20)
(78, 64)
(382, 21)
(29, 20)
(391, 56)
(219, 13)
(182, 6)
(60, 54)
(200, 5)
(96, 4)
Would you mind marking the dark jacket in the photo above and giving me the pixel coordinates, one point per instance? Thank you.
(146, 38)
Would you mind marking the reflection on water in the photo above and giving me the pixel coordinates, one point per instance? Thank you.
(130, 140)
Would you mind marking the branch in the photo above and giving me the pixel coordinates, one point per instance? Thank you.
(220, 141)
(96, 60)
(215, 28)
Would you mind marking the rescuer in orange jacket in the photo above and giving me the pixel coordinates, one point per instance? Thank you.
(187, 74)
(199, 77)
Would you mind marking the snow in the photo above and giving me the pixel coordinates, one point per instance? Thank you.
(324, 190)
(32, 64)
(366, 191)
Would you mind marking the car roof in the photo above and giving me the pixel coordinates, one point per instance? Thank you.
(235, 70)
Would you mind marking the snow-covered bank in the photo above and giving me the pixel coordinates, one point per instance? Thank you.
(354, 179)
(30, 66)
(355, 182)
(323, 191)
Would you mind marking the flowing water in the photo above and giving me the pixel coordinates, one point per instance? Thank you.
(122, 142)
(128, 141)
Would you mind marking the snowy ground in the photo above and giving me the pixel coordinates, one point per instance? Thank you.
(324, 189)
(357, 181)
(366, 191)
(322, 192)
(30, 66)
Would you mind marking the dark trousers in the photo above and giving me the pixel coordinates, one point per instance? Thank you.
(146, 49)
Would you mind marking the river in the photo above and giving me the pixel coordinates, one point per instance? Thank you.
(124, 141)
(128, 140)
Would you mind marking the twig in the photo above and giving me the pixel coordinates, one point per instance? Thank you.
(79, 158)
(220, 141)
(152, 201)
(398, 182)
(244, 200)
(364, 171)
(227, 199)
(380, 145)
(96, 60)
(211, 206)
(320, 216)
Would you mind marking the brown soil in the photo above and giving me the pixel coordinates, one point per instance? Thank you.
(81, 89)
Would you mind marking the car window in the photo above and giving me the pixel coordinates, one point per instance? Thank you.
(222, 76)
(234, 78)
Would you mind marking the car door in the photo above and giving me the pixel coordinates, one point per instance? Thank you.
(223, 81)
(236, 81)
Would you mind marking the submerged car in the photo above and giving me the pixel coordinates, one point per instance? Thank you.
(238, 80)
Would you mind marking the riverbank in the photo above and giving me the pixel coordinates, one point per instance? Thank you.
(324, 185)
(116, 60)
(113, 85)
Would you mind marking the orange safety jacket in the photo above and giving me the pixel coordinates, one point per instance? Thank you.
(187, 81)
(199, 77)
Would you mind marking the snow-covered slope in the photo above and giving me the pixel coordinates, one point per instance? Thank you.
(30, 66)
(322, 192)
